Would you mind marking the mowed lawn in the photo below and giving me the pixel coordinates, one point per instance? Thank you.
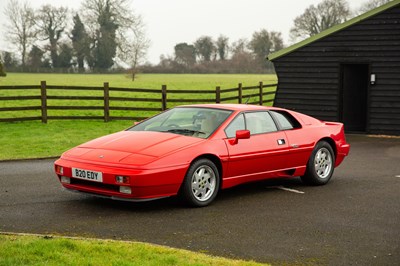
(33, 139)
(153, 81)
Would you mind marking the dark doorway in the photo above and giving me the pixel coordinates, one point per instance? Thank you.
(354, 93)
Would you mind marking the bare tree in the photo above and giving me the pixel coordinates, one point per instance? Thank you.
(240, 46)
(137, 50)
(277, 41)
(371, 4)
(20, 27)
(51, 22)
(318, 18)
(120, 9)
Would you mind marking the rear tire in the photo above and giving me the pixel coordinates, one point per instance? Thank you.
(320, 166)
(201, 183)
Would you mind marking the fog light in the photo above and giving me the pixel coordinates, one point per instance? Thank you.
(122, 179)
(59, 169)
(125, 190)
(65, 180)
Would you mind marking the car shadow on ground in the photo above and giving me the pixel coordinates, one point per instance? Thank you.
(253, 189)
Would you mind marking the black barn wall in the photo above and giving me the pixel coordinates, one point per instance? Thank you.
(309, 77)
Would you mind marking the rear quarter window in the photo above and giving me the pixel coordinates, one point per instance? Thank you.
(285, 120)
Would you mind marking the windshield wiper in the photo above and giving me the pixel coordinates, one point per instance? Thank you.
(185, 131)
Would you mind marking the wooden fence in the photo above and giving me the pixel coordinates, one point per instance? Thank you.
(260, 94)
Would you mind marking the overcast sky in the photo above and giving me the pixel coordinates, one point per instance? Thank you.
(169, 22)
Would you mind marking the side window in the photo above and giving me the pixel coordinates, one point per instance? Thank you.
(285, 120)
(236, 124)
(260, 122)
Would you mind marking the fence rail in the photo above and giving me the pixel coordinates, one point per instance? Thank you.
(149, 99)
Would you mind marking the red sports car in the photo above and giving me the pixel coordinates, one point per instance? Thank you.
(196, 150)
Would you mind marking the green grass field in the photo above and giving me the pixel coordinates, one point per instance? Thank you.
(32, 139)
(35, 250)
(154, 81)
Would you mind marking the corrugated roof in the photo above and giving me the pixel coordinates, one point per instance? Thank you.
(332, 30)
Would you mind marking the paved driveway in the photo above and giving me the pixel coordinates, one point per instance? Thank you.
(355, 219)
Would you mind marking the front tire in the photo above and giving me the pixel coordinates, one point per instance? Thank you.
(320, 166)
(201, 183)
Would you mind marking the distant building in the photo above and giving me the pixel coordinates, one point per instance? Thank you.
(348, 73)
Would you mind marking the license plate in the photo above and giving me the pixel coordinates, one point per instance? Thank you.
(87, 175)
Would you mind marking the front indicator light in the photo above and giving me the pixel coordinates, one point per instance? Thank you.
(125, 190)
(65, 180)
(59, 169)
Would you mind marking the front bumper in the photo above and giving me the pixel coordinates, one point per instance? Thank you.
(144, 184)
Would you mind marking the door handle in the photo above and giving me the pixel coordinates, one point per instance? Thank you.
(281, 141)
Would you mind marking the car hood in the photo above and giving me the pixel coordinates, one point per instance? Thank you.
(131, 147)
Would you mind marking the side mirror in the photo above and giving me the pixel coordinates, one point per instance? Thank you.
(240, 134)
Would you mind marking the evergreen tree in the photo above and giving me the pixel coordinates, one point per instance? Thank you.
(222, 47)
(2, 71)
(115, 31)
(80, 42)
(65, 56)
(35, 57)
(8, 60)
(185, 54)
(106, 47)
(205, 48)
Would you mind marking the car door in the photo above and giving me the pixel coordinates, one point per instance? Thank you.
(301, 141)
(262, 154)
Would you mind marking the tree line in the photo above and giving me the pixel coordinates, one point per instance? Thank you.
(111, 35)
(58, 39)
(206, 55)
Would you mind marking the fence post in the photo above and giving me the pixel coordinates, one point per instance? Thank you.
(106, 102)
(164, 97)
(43, 98)
(218, 94)
(240, 93)
(261, 93)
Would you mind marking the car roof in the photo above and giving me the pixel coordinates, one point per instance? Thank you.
(234, 107)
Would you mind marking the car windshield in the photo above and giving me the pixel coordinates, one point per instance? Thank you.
(188, 121)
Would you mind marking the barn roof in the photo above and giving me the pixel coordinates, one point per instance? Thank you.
(332, 30)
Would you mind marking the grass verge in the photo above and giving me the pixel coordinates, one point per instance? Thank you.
(39, 250)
